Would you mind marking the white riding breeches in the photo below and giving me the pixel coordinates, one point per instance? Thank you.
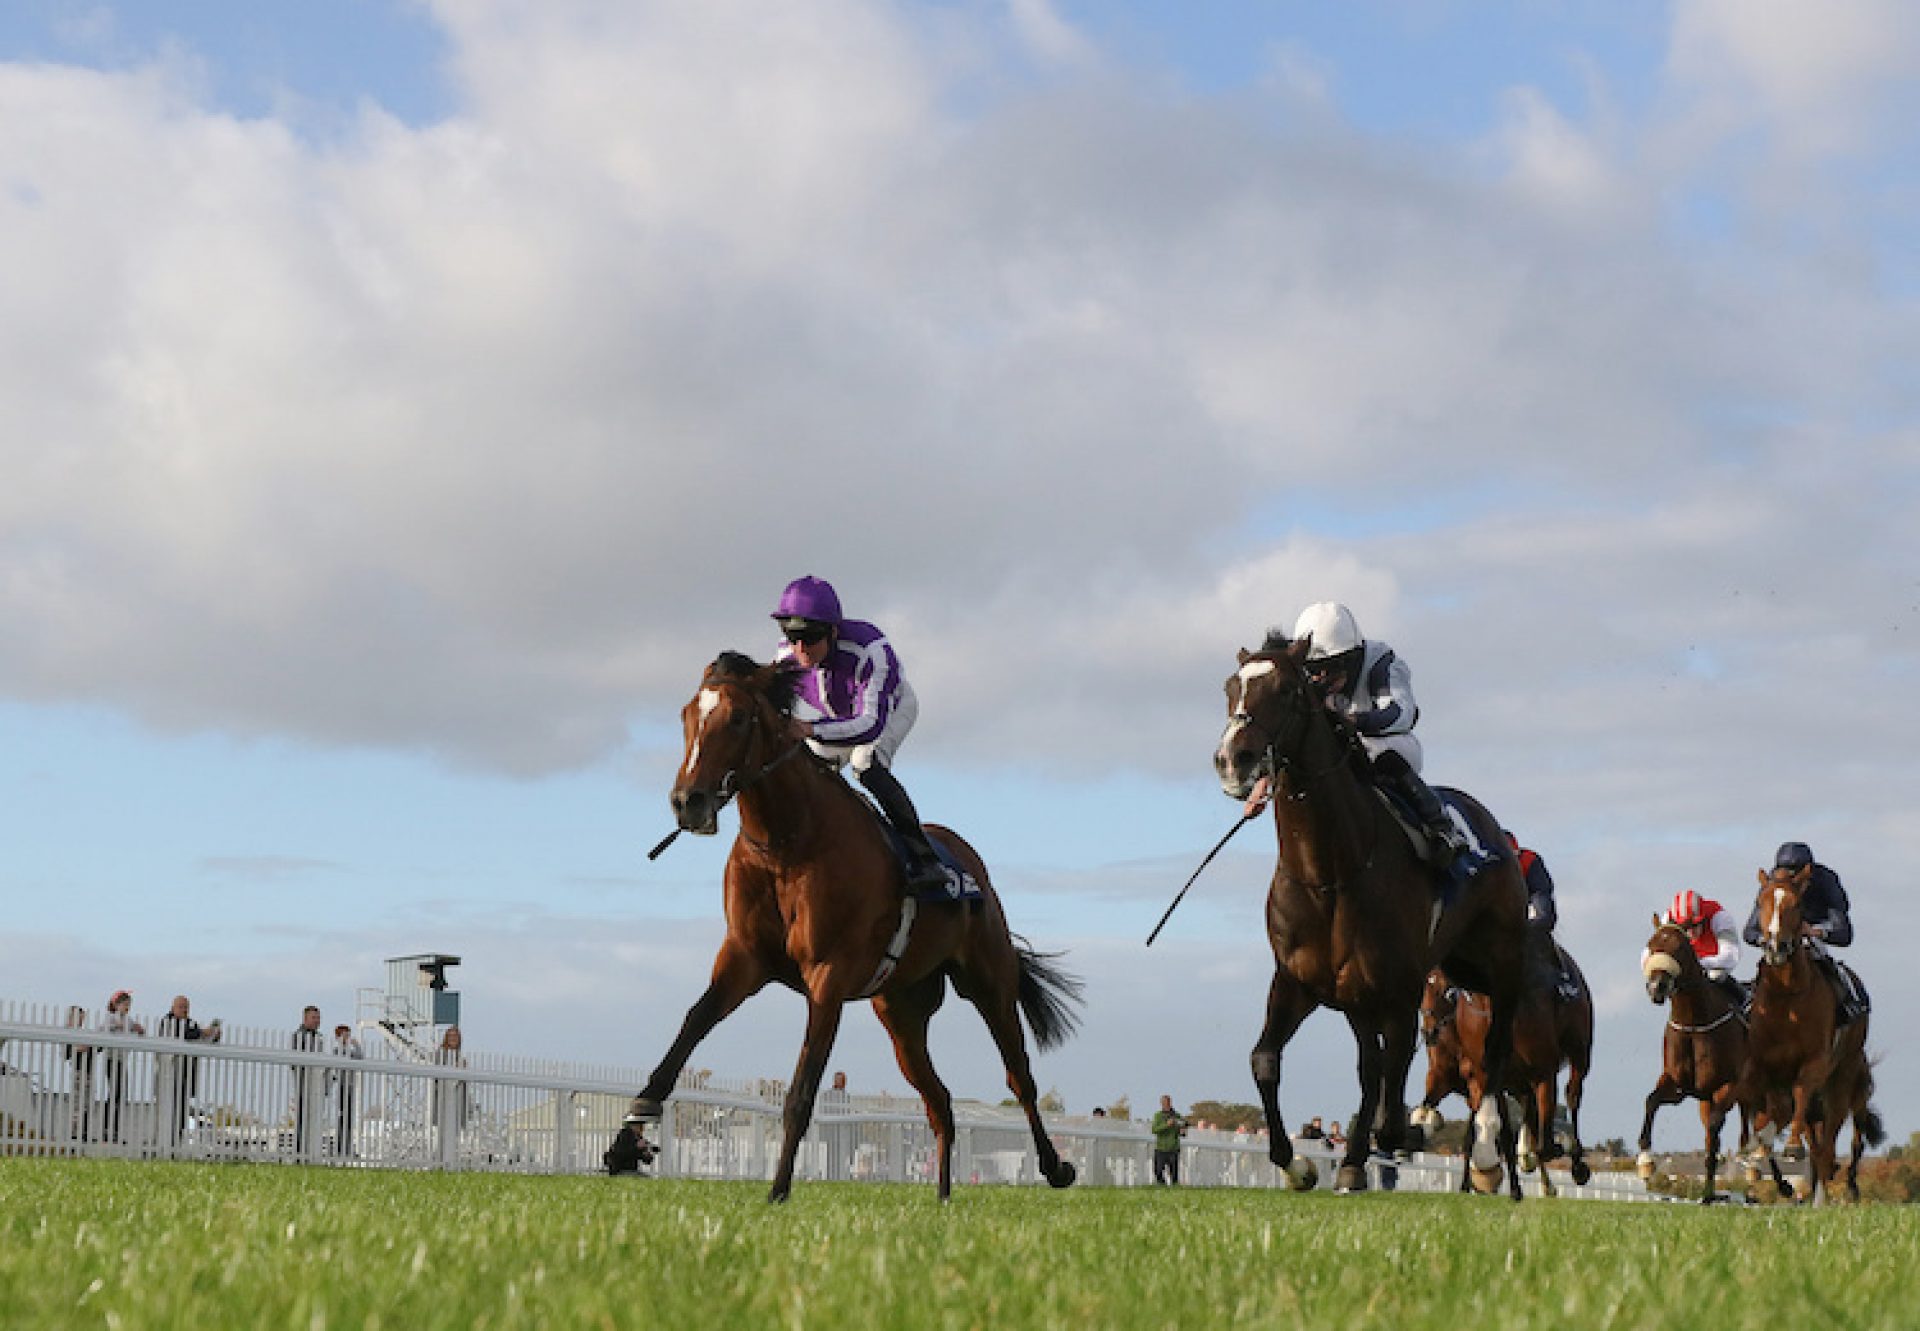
(1406, 746)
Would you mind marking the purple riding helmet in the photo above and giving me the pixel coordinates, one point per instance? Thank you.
(808, 600)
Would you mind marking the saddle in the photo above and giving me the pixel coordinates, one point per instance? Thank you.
(959, 886)
(1446, 885)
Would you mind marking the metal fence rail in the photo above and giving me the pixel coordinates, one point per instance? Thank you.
(68, 1088)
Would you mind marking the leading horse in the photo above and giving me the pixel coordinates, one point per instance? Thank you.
(1798, 1046)
(814, 901)
(1352, 916)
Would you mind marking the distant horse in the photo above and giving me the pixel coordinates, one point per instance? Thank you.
(1798, 1046)
(814, 901)
(1548, 1034)
(1703, 1054)
(1351, 914)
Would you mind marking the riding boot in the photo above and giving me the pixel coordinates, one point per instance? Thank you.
(1455, 858)
(924, 870)
(1848, 1008)
(1565, 987)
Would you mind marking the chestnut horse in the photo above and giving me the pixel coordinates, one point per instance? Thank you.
(1352, 915)
(1548, 1035)
(814, 901)
(1798, 1046)
(1704, 1051)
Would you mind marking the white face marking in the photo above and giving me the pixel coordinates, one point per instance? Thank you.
(709, 699)
(1773, 926)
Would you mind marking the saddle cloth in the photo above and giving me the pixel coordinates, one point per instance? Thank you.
(960, 885)
(1446, 885)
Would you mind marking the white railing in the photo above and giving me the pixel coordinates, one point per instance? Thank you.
(78, 1090)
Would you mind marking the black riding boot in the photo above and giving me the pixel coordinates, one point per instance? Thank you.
(1398, 772)
(924, 869)
(1849, 1006)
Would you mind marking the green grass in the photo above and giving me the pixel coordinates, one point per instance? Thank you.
(107, 1244)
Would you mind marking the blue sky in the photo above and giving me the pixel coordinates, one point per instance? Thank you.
(403, 402)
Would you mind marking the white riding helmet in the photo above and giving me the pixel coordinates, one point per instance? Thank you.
(1331, 628)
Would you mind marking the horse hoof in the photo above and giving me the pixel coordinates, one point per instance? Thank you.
(1485, 1181)
(778, 1194)
(643, 1110)
(1582, 1172)
(1644, 1165)
(1064, 1176)
(1529, 1162)
(1350, 1178)
(1786, 1191)
(1302, 1175)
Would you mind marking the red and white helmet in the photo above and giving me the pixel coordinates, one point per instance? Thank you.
(1687, 910)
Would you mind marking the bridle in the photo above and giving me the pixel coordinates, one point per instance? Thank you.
(1733, 1011)
(1276, 757)
(731, 784)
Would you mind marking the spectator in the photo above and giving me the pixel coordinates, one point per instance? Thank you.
(1098, 1112)
(309, 1083)
(345, 1089)
(630, 1150)
(1313, 1131)
(1168, 1128)
(80, 1054)
(179, 1074)
(1336, 1138)
(448, 1055)
(118, 1021)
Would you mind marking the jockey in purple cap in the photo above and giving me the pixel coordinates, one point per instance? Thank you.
(854, 706)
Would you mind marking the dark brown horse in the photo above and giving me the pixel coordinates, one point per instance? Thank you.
(1548, 1034)
(1798, 1046)
(814, 901)
(1704, 1051)
(1352, 915)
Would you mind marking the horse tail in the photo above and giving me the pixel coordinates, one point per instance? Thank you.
(1866, 1119)
(1048, 995)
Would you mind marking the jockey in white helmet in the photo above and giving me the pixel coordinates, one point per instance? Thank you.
(1369, 685)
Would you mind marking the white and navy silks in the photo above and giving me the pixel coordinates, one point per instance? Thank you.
(1381, 705)
(858, 701)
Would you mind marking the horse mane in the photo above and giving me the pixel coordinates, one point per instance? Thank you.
(738, 667)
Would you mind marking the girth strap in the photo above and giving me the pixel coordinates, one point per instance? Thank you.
(909, 908)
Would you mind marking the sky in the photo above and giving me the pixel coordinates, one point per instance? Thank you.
(401, 403)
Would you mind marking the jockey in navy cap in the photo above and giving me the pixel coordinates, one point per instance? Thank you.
(1824, 915)
(853, 705)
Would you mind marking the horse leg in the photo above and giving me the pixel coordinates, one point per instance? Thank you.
(1540, 1106)
(736, 978)
(1666, 1091)
(1576, 1150)
(1499, 1054)
(1287, 1007)
(823, 1024)
(998, 1005)
(905, 1014)
(1400, 1035)
(1352, 1174)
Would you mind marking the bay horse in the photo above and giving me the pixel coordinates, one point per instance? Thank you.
(1548, 1034)
(1703, 1053)
(1351, 913)
(815, 901)
(1798, 1046)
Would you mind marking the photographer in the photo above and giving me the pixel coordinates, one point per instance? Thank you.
(630, 1150)
(1168, 1128)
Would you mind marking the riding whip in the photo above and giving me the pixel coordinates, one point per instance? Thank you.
(665, 841)
(1243, 820)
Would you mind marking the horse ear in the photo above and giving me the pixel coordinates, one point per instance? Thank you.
(1803, 875)
(1656, 919)
(1245, 656)
(1299, 648)
(1764, 880)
